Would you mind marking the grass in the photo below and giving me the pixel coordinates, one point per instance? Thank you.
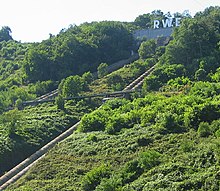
(33, 127)
(65, 166)
(149, 155)
(127, 73)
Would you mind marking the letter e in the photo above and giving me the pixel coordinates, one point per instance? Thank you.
(177, 22)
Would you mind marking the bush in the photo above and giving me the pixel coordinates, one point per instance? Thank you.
(92, 137)
(169, 121)
(205, 89)
(203, 112)
(60, 102)
(102, 70)
(217, 133)
(147, 49)
(149, 159)
(94, 121)
(161, 75)
(204, 130)
(43, 87)
(131, 171)
(18, 103)
(111, 184)
(144, 141)
(200, 75)
(116, 123)
(94, 177)
(72, 86)
(215, 126)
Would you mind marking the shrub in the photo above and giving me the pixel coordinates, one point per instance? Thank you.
(204, 130)
(205, 89)
(92, 137)
(94, 121)
(187, 146)
(94, 177)
(217, 133)
(205, 112)
(18, 103)
(144, 141)
(72, 86)
(111, 184)
(215, 126)
(102, 70)
(116, 123)
(60, 102)
(147, 49)
(131, 171)
(149, 159)
(169, 121)
(200, 75)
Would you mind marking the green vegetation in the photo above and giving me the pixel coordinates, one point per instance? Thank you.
(31, 70)
(77, 50)
(166, 138)
(156, 142)
(25, 131)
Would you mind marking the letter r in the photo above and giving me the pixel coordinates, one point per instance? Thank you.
(156, 24)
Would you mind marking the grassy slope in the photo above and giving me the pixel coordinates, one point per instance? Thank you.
(35, 126)
(187, 161)
(127, 73)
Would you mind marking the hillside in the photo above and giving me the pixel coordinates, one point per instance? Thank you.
(24, 76)
(166, 138)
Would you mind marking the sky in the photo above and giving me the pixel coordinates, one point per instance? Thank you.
(34, 20)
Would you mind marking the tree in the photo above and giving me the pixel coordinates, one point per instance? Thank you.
(147, 49)
(115, 81)
(5, 34)
(72, 86)
(77, 50)
(87, 77)
(200, 75)
(144, 21)
(194, 40)
(12, 120)
(102, 70)
(60, 102)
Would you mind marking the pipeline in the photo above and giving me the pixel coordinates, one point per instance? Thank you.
(110, 68)
(15, 173)
(139, 81)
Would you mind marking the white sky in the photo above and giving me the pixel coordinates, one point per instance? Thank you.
(33, 20)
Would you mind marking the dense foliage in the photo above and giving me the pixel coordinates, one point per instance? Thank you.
(156, 142)
(30, 70)
(195, 47)
(168, 139)
(77, 50)
(25, 131)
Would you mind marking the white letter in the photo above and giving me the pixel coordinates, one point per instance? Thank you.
(177, 22)
(156, 24)
(167, 23)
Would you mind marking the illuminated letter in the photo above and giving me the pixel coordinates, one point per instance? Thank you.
(156, 24)
(177, 22)
(167, 23)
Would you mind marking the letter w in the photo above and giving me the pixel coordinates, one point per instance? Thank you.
(167, 23)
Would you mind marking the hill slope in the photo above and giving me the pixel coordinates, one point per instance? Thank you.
(167, 140)
(148, 144)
